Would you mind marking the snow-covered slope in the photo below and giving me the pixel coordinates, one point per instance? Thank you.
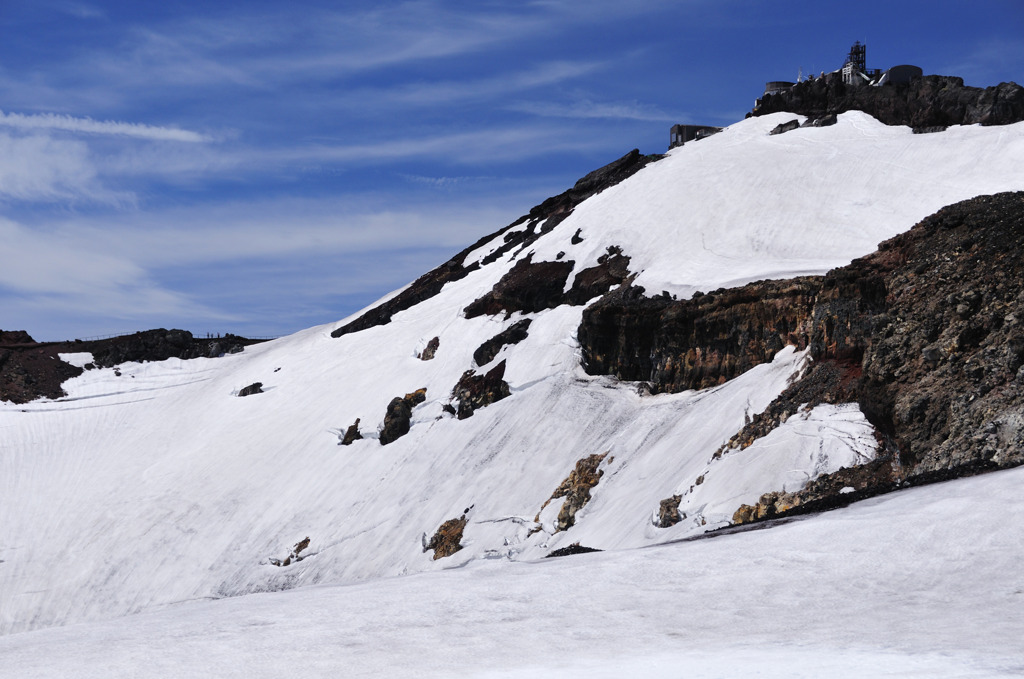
(924, 583)
(157, 485)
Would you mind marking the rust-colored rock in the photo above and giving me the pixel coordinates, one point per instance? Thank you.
(576, 490)
(446, 540)
(668, 511)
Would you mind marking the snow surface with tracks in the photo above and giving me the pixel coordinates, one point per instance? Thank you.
(158, 486)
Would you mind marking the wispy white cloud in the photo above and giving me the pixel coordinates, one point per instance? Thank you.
(451, 92)
(586, 108)
(57, 275)
(80, 10)
(53, 121)
(39, 168)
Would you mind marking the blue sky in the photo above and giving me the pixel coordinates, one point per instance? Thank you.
(261, 167)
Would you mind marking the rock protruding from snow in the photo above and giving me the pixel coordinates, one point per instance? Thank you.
(576, 490)
(668, 512)
(528, 287)
(254, 388)
(399, 416)
(294, 556)
(351, 434)
(447, 539)
(478, 391)
(430, 350)
(514, 334)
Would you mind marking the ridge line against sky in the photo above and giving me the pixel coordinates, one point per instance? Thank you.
(251, 168)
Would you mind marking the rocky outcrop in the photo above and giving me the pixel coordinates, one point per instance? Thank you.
(932, 101)
(569, 550)
(446, 540)
(924, 335)
(782, 128)
(473, 391)
(254, 388)
(539, 221)
(528, 287)
(28, 373)
(294, 556)
(430, 350)
(612, 268)
(696, 343)
(398, 418)
(351, 434)
(668, 512)
(828, 491)
(161, 344)
(514, 334)
(576, 490)
(31, 370)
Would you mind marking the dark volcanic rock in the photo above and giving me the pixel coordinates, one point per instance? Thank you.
(924, 334)
(528, 287)
(539, 221)
(695, 343)
(15, 337)
(782, 128)
(574, 548)
(930, 101)
(31, 370)
(478, 391)
(612, 269)
(351, 434)
(514, 334)
(399, 415)
(430, 350)
(159, 345)
(254, 388)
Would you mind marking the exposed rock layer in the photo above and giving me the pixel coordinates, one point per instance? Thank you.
(925, 334)
(930, 101)
(694, 343)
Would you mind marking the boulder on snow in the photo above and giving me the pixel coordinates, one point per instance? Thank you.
(351, 434)
(431, 349)
(254, 388)
(473, 391)
(446, 540)
(398, 417)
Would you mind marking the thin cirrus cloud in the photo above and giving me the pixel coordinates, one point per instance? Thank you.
(53, 121)
(590, 109)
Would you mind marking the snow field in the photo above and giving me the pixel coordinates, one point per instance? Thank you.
(923, 583)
